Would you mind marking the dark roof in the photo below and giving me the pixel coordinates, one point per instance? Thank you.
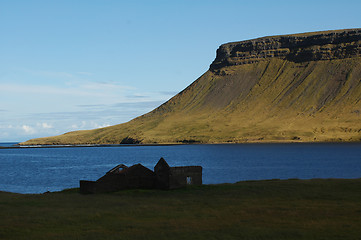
(136, 169)
(161, 164)
(116, 169)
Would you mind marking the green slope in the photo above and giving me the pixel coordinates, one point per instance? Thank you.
(262, 100)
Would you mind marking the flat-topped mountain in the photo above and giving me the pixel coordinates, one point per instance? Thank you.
(296, 48)
(301, 87)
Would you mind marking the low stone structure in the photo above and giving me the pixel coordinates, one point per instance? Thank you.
(138, 176)
(176, 177)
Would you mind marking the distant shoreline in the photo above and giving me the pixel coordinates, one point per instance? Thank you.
(17, 146)
(86, 145)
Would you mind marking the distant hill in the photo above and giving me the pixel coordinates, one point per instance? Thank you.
(301, 87)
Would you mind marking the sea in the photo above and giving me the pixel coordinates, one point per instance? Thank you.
(38, 170)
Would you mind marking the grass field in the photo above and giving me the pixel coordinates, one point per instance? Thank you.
(274, 209)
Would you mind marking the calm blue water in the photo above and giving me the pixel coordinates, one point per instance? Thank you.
(37, 170)
(7, 144)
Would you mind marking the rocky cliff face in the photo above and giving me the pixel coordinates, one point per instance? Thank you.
(297, 48)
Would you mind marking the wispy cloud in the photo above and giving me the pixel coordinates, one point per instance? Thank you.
(151, 95)
(45, 125)
(88, 125)
(73, 101)
(142, 104)
(89, 116)
(90, 89)
(136, 96)
(39, 89)
(170, 93)
(79, 79)
(95, 106)
(6, 126)
(28, 129)
(108, 114)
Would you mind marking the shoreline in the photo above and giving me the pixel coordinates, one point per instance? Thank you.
(18, 146)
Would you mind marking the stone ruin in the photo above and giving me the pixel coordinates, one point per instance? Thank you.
(138, 176)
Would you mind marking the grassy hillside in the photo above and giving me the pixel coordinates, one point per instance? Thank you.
(248, 97)
(274, 100)
(287, 209)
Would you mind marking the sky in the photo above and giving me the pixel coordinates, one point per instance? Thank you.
(68, 65)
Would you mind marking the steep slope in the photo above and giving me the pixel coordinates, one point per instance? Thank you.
(302, 87)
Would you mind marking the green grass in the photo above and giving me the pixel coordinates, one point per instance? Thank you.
(287, 209)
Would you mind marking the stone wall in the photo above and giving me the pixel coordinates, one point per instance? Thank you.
(87, 187)
(138, 176)
(183, 176)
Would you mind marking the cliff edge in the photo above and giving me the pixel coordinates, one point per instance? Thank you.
(315, 46)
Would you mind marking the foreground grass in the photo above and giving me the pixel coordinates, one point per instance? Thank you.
(289, 209)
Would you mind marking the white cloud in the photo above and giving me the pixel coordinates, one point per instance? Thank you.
(83, 124)
(62, 102)
(96, 125)
(45, 125)
(86, 89)
(46, 90)
(88, 125)
(28, 129)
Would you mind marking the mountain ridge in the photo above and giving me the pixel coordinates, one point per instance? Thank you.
(287, 88)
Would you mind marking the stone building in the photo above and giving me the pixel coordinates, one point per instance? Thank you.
(138, 176)
(176, 177)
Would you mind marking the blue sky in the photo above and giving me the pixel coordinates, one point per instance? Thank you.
(71, 65)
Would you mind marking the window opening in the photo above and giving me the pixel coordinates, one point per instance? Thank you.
(189, 180)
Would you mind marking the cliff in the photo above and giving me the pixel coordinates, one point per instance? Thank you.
(291, 88)
(296, 48)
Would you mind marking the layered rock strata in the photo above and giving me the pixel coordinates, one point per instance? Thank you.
(297, 48)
